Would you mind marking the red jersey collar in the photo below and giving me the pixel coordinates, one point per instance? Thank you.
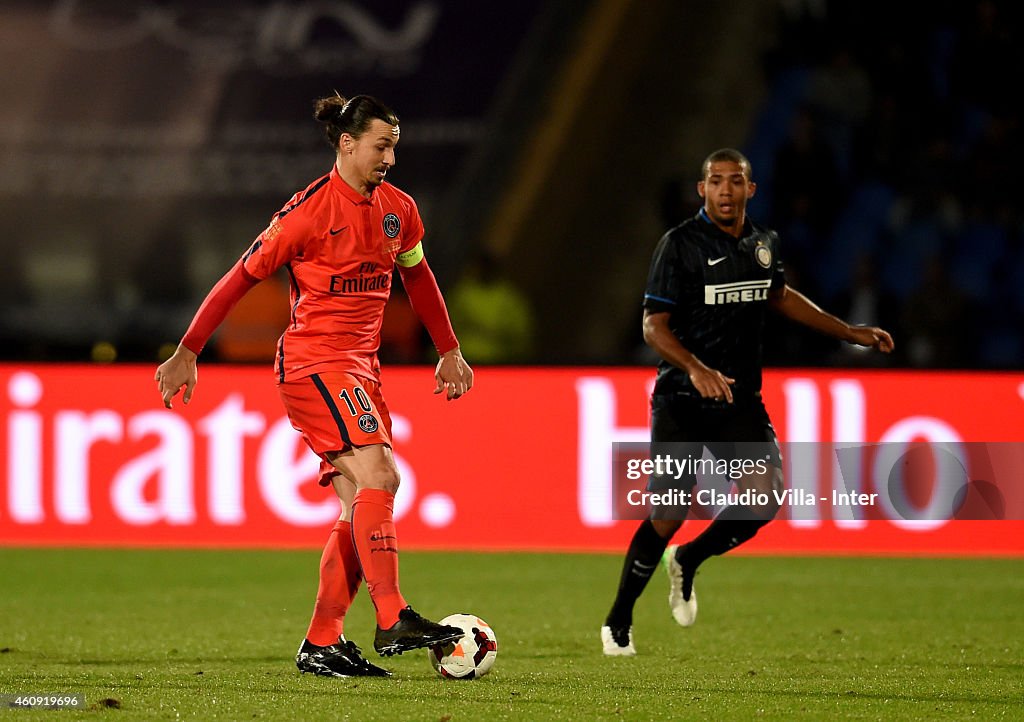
(346, 190)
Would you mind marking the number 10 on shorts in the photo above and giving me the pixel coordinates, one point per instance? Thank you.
(360, 398)
(367, 421)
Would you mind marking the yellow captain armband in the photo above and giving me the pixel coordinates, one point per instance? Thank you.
(411, 257)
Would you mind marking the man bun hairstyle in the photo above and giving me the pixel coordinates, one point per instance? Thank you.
(728, 155)
(337, 115)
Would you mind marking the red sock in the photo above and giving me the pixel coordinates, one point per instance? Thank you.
(373, 530)
(340, 576)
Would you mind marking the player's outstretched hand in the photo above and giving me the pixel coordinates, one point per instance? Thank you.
(453, 375)
(872, 337)
(177, 371)
(712, 384)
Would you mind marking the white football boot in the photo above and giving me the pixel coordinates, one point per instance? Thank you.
(618, 643)
(683, 610)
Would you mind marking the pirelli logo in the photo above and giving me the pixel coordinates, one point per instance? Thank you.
(739, 292)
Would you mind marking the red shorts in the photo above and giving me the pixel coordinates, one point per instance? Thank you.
(336, 412)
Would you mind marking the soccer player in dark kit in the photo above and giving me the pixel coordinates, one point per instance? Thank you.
(711, 280)
(340, 240)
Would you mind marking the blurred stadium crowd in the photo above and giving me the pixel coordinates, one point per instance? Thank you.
(885, 149)
(887, 154)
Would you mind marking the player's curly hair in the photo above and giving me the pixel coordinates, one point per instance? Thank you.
(337, 115)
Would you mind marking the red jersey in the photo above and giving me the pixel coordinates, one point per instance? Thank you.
(340, 251)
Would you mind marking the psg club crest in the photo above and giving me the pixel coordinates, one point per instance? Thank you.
(763, 256)
(368, 423)
(391, 225)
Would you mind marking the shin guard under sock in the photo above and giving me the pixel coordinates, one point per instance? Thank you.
(376, 544)
(340, 576)
(642, 559)
(732, 527)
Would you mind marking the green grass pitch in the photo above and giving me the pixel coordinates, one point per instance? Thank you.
(211, 635)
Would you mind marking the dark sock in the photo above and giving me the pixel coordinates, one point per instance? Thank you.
(642, 559)
(732, 527)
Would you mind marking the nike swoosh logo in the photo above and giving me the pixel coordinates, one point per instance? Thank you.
(716, 261)
(336, 232)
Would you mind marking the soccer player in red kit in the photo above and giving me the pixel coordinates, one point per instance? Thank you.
(339, 240)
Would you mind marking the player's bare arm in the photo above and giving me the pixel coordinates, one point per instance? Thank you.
(794, 305)
(711, 384)
(453, 375)
(174, 373)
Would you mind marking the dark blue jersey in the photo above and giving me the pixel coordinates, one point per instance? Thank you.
(716, 289)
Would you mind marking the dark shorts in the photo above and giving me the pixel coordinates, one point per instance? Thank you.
(683, 427)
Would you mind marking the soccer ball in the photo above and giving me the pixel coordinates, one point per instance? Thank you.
(469, 658)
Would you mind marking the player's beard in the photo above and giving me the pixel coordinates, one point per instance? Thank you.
(373, 180)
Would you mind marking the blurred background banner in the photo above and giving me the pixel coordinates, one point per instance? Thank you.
(523, 462)
(143, 145)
